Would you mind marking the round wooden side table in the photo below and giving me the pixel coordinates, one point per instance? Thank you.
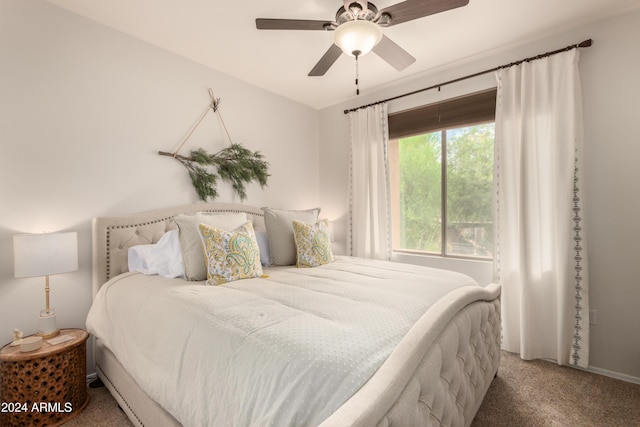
(46, 386)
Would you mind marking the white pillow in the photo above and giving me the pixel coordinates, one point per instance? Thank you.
(279, 224)
(163, 258)
(137, 258)
(195, 264)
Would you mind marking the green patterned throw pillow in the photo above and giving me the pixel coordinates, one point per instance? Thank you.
(231, 255)
(313, 243)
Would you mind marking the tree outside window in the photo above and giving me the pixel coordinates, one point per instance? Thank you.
(441, 191)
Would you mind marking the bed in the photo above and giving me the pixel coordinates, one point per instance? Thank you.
(433, 369)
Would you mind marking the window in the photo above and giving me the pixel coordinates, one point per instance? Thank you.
(441, 161)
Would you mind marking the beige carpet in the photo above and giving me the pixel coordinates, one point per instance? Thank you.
(527, 394)
(540, 393)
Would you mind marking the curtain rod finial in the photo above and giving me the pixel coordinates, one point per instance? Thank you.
(586, 43)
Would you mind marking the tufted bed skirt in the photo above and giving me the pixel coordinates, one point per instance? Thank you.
(437, 375)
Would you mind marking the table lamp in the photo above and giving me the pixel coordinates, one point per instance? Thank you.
(46, 254)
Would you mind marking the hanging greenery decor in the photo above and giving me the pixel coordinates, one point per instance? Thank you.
(235, 164)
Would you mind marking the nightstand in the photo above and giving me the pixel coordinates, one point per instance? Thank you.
(46, 386)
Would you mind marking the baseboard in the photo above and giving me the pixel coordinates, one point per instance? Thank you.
(611, 374)
(600, 371)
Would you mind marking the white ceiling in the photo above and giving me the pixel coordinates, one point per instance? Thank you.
(222, 35)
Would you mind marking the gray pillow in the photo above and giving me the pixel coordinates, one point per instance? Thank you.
(263, 246)
(195, 264)
(279, 224)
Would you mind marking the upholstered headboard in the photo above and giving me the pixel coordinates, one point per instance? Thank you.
(113, 236)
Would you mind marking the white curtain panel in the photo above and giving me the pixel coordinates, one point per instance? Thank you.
(541, 258)
(369, 210)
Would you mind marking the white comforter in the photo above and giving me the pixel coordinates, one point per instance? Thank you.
(287, 350)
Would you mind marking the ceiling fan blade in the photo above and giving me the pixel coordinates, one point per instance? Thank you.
(292, 24)
(413, 9)
(396, 56)
(326, 61)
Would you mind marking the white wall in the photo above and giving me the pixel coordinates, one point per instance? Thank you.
(84, 110)
(609, 72)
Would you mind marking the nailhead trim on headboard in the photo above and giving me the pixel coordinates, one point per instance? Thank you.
(109, 231)
(118, 227)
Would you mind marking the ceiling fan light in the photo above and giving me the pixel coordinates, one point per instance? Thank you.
(357, 36)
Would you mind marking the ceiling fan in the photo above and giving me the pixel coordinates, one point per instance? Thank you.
(358, 29)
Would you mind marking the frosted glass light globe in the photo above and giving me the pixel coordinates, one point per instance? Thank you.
(357, 37)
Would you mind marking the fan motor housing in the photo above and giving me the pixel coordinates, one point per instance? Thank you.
(369, 14)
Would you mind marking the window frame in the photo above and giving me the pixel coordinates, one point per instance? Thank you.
(469, 110)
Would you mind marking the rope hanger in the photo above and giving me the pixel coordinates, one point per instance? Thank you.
(235, 164)
(213, 106)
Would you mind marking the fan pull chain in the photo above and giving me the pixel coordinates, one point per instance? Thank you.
(357, 54)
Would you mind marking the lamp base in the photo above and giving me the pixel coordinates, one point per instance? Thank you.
(47, 324)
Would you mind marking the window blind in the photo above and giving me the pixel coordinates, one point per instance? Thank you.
(475, 108)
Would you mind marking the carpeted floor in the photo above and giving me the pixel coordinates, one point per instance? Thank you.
(540, 393)
(527, 394)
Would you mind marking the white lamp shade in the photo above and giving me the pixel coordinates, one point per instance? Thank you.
(45, 254)
(358, 35)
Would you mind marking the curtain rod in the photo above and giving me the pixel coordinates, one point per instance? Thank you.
(586, 43)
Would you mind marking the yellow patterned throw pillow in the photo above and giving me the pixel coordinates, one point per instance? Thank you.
(313, 243)
(231, 255)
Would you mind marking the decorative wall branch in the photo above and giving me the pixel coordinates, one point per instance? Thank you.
(235, 165)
